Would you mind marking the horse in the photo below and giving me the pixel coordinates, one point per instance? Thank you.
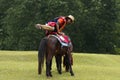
(50, 46)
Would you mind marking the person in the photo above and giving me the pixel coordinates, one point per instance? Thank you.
(56, 25)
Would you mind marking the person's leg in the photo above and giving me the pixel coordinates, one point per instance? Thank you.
(46, 27)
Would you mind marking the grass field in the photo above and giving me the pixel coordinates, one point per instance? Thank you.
(22, 65)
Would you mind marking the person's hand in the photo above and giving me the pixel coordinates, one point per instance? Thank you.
(38, 26)
(61, 33)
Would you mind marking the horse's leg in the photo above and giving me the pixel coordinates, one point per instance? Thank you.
(50, 67)
(60, 68)
(70, 65)
(58, 63)
(71, 71)
(66, 63)
(48, 64)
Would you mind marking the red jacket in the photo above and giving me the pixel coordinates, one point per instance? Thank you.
(61, 21)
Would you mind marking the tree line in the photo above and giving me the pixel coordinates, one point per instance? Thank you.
(96, 27)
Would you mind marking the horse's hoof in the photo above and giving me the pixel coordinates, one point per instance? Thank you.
(60, 72)
(72, 74)
(39, 73)
(50, 75)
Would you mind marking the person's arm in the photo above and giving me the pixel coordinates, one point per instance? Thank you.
(57, 26)
(59, 29)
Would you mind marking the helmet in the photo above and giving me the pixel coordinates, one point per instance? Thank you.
(71, 17)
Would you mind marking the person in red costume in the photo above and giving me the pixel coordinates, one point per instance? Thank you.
(56, 25)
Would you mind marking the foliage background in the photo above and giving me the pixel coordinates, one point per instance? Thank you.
(96, 27)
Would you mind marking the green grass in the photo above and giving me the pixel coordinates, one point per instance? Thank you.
(22, 65)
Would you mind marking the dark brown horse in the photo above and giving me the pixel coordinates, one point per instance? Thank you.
(49, 47)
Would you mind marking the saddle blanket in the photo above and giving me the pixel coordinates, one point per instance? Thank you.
(63, 39)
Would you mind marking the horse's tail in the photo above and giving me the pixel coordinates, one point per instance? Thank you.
(41, 54)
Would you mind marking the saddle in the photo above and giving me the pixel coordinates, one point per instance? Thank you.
(63, 39)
